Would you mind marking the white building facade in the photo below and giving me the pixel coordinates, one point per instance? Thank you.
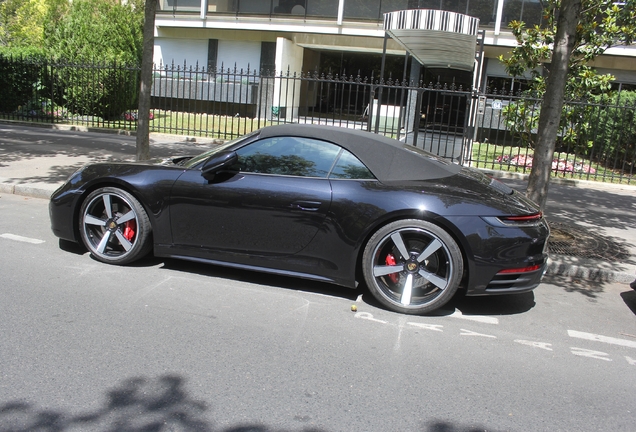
(343, 37)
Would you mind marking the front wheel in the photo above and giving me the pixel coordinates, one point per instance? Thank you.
(114, 226)
(412, 266)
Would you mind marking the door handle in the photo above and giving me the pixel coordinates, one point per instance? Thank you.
(306, 205)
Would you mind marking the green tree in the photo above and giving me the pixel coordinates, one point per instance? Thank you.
(105, 33)
(557, 55)
(100, 30)
(26, 23)
(143, 127)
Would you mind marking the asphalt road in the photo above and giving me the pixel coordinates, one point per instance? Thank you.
(167, 345)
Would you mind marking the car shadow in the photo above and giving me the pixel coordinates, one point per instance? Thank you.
(72, 247)
(629, 297)
(254, 277)
(504, 304)
(511, 304)
(487, 305)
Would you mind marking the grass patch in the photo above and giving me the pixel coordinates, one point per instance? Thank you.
(204, 125)
(169, 122)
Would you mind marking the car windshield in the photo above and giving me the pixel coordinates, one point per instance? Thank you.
(218, 148)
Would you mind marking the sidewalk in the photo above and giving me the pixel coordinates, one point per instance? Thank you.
(593, 224)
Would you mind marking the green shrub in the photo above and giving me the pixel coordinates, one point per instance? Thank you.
(616, 129)
(105, 91)
(99, 38)
(20, 80)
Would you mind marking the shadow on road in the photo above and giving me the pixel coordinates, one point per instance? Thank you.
(488, 305)
(271, 280)
(629, 297)
(587, 288)
(147, 405)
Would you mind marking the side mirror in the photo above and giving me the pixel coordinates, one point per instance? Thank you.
(219, 162)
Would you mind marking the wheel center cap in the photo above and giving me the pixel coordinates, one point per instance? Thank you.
(112, 225)
(411, 267)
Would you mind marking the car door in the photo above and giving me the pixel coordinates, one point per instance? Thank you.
(274, 205)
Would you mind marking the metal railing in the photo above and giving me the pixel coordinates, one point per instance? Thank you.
(354, 10)
(597, 139)
(493, 130)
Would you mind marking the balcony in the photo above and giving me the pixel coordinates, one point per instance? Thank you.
(528, 11)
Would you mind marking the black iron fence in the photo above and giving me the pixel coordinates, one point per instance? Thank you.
(492, 130)
(597, 138)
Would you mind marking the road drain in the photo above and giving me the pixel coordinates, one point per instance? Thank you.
(580, 242)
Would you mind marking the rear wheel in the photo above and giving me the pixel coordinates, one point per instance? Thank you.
(114, 226)
(412, 266)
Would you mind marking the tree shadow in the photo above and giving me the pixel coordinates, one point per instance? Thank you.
(572, 284)
(72, 150)
(141, 404)
(137, 404)
(444, 426)
(598, 206)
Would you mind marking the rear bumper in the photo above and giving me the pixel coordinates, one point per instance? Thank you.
(512, 283)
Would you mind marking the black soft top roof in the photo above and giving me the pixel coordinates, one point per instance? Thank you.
(388, 159)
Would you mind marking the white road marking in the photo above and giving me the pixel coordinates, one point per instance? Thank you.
(368, 316)
(542, 345)
(21, 239)
(630, 360)
(434, 327)
(590, 353)
(599, 338)
(478, 318)
(472, 333)
(398, 341)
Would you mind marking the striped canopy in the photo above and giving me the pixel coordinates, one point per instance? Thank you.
(436, 38)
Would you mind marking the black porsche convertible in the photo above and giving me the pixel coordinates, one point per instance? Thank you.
(323, 203)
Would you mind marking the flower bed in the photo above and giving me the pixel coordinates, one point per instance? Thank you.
(558, 165)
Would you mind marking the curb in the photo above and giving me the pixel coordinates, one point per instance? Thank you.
(26, 190)
(557, 266)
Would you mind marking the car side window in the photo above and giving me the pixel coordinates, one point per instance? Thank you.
(349, 167)
(293, 156)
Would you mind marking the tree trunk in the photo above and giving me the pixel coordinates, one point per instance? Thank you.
(552, 105)
(143, 115)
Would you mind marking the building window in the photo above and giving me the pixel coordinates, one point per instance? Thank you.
(180, 5)
(362, 9)
(322, 8)
(528, 11)
(222, 6)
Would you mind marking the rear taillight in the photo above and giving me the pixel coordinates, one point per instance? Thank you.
(535, 217)
(520, 270)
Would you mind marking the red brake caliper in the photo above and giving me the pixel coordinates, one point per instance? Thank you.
(129, 229)
(390, 260)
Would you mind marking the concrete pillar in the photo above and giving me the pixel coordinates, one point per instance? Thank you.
(289, 63)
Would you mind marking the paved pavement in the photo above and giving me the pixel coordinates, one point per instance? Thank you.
(598, 219)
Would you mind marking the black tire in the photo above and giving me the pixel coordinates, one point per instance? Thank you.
(412, 266)
(114, 226)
